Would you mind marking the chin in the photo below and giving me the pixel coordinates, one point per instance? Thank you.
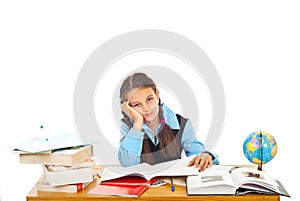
(148, 120)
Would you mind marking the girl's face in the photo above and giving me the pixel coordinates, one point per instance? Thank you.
(145, 101)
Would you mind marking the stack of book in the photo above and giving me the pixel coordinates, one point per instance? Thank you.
(67, 168)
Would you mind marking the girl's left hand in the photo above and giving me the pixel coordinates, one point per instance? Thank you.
(202, 161)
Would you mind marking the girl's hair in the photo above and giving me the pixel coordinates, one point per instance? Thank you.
(166, 135)
(135, 81)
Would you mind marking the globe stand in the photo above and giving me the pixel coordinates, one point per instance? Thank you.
(259, 167)
(261, 151)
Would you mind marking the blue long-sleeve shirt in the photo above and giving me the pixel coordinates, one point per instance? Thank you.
(131, 142)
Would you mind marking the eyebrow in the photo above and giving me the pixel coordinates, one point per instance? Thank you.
(149, 96)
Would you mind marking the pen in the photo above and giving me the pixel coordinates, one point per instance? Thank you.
(172, 185)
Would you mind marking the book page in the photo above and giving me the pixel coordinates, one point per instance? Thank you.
(210, 178)
(178, 181)
(249, 177)
(174, 168)
(114, 172)
(226, 168)
(171, 168)
(211, 182)
(86, 163)
(59, 141)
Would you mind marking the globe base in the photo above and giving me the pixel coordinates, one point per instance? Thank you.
(259, 167)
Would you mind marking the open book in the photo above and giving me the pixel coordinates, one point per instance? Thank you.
(47, 145)
(231, 180)
(134, 180)
(171, 168)
(125, 186)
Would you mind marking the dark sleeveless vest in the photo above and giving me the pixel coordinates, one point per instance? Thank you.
(155, 156)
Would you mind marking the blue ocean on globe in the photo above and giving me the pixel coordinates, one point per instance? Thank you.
(252, 147)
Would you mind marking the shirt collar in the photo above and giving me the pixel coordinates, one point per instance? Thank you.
(170, 117)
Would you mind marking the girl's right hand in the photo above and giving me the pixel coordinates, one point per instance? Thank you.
(134, 115)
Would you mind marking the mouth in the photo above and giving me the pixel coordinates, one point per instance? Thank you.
(147, 115)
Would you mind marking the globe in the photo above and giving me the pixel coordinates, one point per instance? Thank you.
(260, 147)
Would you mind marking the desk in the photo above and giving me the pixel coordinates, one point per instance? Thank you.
(158, 193)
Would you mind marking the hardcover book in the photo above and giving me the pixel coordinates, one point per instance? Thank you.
(69, 188)
(67, 156)
(228, 180)
(72, 176)
(119, 190)
(131, 180)
(132, 186)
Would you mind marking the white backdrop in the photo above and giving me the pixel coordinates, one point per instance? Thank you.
(255, 46)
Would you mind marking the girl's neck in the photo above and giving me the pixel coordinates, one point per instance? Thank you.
(153, 124)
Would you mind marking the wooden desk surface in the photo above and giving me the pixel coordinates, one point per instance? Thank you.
(158, 193)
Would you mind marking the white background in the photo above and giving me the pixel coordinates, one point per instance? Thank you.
(255, 46)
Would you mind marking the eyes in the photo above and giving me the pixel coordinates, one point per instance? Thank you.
(135, 105)
(149, 100)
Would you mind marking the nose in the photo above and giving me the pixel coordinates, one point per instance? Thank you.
(146, 108)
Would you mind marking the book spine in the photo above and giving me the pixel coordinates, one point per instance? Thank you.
(72, 188)
(79, 187)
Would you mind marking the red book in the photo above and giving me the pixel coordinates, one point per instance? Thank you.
(132, 186)
(120, 190)
(129, 180)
